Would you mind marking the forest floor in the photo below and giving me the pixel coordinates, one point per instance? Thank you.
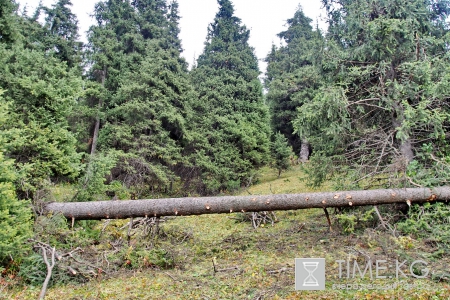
(224, 257)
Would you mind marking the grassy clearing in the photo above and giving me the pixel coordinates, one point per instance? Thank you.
(292, 181)
(256, 264)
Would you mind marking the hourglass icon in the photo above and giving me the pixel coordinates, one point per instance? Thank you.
(310, 274)
(310, 280)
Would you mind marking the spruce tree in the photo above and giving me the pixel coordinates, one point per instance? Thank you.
(231, 117)
(8, 21)
(61, 33)
(42, 91)
(15, 215)
(141, 88)
(281, 152)
(174, 29)
(294, 75)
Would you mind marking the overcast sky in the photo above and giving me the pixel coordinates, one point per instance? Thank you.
(264, 18)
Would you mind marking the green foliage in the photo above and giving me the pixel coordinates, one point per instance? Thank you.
(92, 185)
(432, 166)
(293, 74)
(33, 270)
(155, 258)
(430, 222)
(324, 119)
(281, 152)
(15, 215)
(42, 93)
(320, 169)
(140, 90)
(61, 33)
(386, 66)
(231, 133)
(355, 219)
(87, 233)
(8, 22)
(173, 26)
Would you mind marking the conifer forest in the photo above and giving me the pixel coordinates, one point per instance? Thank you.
(363, 105)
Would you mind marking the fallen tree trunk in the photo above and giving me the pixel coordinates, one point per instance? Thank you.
(121, 209)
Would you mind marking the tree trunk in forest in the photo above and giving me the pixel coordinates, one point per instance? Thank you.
(97, 120)
(398, 116)
(304, 151)
(121, 209)
(406, 151)
(95, 136)
(405, 147)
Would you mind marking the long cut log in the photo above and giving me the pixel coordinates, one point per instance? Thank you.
(121, 209)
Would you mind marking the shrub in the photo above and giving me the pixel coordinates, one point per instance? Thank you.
(431, 222)
(92, 185)
(15, 215)
(281, 151)
(355, 219)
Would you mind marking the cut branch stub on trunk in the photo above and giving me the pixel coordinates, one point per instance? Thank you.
(121, 209)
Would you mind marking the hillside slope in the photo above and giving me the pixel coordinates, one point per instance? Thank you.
(224, 257)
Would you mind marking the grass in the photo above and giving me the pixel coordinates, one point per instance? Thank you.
(291, 181)
(222, 257)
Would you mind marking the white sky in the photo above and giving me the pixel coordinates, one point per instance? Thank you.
(264, 19)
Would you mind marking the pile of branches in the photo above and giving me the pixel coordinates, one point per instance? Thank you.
(260, 218)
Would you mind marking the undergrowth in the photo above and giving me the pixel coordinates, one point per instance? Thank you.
(430, 223)
(224, 257)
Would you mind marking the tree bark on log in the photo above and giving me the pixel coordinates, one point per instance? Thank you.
(121, 209)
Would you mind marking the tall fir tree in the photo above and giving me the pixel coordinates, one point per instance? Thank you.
(42, 91)
(232, 131)
(174, 28)
(61, 33)
(141, 90)
(293, 76)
